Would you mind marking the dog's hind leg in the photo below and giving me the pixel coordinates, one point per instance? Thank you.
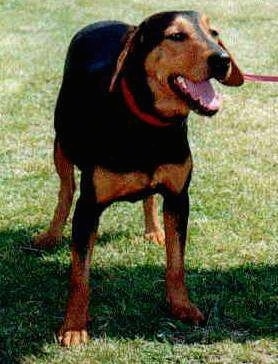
(65, 170)
(153, 229)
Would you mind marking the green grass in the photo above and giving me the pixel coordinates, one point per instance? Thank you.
(232, 253)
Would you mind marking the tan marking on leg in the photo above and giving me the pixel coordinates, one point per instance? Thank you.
(74, 328)
(65, 170)
(153, 229)
(176, 291)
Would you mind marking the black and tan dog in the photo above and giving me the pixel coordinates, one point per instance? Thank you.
(121, 119)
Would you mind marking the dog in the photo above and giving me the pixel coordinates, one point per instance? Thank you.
(121, 118)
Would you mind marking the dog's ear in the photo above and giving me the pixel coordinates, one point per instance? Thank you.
(128, 46)
(235, 76)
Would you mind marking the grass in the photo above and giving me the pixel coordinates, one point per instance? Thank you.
(232, 253)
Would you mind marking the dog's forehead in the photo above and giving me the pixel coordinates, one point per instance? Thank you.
(187, 21)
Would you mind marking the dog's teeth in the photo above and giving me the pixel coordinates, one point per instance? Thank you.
(180, 80)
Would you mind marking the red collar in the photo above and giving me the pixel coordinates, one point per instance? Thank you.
(134, 108)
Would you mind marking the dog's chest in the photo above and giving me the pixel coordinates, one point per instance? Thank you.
(110, 186)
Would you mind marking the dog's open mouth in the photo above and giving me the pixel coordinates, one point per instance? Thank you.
(199, 96)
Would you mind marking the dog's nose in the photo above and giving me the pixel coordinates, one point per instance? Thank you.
(219, 63)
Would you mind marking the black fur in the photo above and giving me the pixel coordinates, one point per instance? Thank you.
(93, 126)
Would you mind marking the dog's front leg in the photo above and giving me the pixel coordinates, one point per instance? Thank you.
(176, 210)
(85, 224)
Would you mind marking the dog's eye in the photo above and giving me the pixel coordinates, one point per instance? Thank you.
(177, 37)
(214, 33)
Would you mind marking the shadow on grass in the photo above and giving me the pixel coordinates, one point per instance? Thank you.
(109, 236)
(127, 302)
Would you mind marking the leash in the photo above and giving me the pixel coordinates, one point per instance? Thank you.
(259, 78)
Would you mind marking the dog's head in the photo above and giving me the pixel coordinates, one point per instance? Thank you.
(180, 52)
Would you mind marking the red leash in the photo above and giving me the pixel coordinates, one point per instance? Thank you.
(259, 78)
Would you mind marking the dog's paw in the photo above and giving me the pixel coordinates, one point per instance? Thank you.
(46, 240)
(72, 337)
(187, 313)
(156, 236)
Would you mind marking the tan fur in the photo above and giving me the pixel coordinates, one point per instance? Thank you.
(111, 186)
(172, 176)
(153, 230)
(180, 24)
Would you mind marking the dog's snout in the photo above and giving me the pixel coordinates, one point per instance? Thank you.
(219, 63)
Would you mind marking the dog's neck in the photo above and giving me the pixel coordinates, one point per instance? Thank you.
(135, 109)
(149, 117)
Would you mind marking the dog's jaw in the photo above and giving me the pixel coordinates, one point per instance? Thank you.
(199, 96)
(166, 102)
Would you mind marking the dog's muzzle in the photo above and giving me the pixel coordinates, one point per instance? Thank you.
(219, 64)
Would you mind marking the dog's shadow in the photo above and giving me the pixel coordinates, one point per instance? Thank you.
(126, 301)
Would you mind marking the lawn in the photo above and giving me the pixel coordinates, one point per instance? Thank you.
(232, 253)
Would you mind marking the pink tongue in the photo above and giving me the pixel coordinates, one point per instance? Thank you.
(202, 92)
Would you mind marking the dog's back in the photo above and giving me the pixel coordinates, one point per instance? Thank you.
(94, 49)
(83, 98)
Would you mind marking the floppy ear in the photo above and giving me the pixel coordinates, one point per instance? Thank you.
(128, 46)
(235, 76)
